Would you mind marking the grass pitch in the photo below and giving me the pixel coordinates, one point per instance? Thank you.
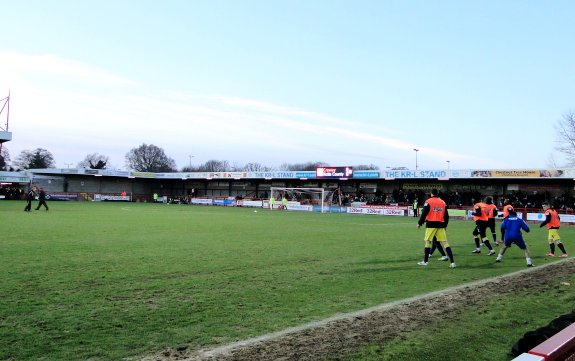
(106, 281)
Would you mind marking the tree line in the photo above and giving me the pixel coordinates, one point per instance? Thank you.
(147, 158)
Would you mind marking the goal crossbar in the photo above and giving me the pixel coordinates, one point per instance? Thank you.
(320, 196)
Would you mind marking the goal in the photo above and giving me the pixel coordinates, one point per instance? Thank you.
(322, 199)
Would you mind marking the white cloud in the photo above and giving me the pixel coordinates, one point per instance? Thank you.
(87, 110)
(17, 66)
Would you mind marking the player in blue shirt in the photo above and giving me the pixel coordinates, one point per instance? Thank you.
(511, 227)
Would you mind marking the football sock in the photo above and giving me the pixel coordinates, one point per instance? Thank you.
(552, 247)
(426, 252)
(561, 247)
(487, 244)
(476, 239)
(449, 254)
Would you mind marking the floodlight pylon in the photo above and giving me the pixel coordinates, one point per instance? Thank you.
(5, 135)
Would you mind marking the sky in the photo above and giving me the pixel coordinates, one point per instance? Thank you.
(470, 84)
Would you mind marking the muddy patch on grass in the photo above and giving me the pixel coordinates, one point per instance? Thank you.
(342, 335)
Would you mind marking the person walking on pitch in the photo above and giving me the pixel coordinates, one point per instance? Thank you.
(29, 198)
(436, 217)
(42, 199)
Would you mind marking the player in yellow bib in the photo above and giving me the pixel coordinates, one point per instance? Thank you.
(272, 202)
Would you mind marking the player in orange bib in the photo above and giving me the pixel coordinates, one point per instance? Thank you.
(436, 218)
(491, 210)
(480, 218)
(553, 222)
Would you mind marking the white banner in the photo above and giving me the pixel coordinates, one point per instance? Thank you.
(201, 201)
(540, 217)
(358, 204)
(108, 197)
(242, 203)
(376, 211)
(299, 207)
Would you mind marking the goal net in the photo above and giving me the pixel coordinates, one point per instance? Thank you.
(322, 199)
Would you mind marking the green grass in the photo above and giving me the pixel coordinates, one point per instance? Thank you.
(484, 332)
(105, 281)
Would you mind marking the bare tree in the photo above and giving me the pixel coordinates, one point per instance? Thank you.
(94, 161)
(551, 162)
(35, 159)
(256, 167)
(309, 166)
(566, 136)
(214, 166)
(149, 158)
(365, 167)
(4, 158)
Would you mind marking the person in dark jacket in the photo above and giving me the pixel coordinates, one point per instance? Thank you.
(42, 199)
(29, 198)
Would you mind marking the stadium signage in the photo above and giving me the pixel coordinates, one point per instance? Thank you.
(305, 174)
(247, 203)
(365, 174)
(416, 174)
(391, 206)
(204, 201)
(144, 174)
(299, 207)
(427, 186)
(540, 217)
(224, 202)
(15, 179)
(376, 211)
(515, 173)
(62, 197)
(264, 174)
(336, 172)
(110, 197)
(114, 172)
(333, 172)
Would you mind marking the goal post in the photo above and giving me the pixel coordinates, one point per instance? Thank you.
(317, 197)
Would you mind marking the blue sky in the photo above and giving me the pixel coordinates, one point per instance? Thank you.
(479, 84)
